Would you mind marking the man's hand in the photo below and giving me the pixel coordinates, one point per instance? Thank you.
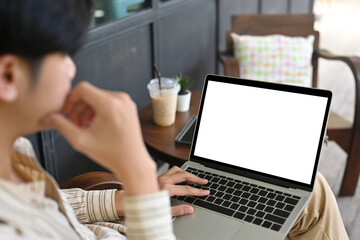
(105, 126)
(175, 175)
(168, 181)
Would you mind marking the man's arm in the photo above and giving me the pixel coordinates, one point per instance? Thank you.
(108, 205)
(147, 216)
(92, 206)
(105, 126)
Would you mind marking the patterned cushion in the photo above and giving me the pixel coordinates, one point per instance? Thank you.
(275, 58)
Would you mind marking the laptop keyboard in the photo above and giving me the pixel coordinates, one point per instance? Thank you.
(239, 199)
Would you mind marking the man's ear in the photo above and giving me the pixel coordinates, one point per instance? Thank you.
(8, 88)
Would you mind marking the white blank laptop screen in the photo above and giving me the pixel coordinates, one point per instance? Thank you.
(268, 131)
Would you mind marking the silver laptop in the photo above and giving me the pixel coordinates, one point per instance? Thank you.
(259, 145)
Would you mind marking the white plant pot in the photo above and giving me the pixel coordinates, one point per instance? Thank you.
(183, 102)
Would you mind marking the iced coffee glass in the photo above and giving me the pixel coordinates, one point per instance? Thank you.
(164, 100)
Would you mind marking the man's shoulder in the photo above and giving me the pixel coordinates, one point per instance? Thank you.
(23, 145)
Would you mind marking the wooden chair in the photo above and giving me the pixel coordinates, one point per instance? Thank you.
(93, 181)
(346, 134)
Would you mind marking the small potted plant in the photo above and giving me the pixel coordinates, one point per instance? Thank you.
(184, 95)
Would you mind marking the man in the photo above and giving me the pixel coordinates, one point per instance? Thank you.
(36, 39)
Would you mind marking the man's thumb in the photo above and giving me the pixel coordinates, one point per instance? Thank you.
(67, 128)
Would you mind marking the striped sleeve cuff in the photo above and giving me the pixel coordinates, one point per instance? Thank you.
(100, 205)
(148, 216)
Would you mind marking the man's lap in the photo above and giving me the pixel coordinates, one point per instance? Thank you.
(320, 218)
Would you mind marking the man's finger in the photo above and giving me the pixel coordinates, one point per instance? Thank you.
(86, 117)
(78, 113)
(68, 129)
(180, 190)
(89, 94)
(172, 171)
(181, 210)
(185, 177)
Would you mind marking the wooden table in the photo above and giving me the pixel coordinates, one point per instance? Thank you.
(160, 140)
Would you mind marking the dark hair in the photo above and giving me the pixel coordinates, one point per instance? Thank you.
(34, 28)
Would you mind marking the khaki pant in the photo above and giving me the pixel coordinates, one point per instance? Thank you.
(320, 218)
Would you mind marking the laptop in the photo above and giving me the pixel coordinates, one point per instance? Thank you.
(258, 144)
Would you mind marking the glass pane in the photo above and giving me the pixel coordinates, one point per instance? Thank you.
(109, 10)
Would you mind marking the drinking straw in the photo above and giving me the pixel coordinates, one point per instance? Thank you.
(158, 75)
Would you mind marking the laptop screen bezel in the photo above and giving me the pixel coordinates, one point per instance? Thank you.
(252, 173)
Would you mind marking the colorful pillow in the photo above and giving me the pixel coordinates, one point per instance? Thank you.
(275, 58)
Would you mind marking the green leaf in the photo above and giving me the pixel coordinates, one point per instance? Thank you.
(184, 82)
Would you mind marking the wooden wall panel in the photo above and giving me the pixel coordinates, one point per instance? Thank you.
(301, 6)
(187, 42)
(227, 8)
(121, 63)
(274, 6)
